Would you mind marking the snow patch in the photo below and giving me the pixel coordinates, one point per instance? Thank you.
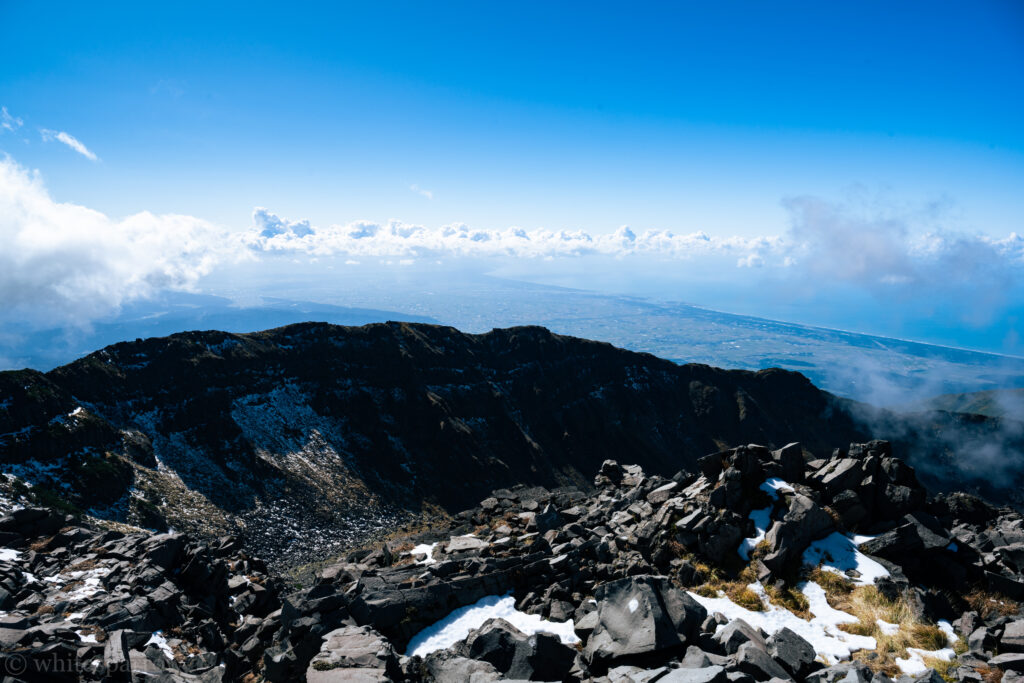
(425, 549)
(762, 518)
(86, 637)
(821, 632)
(633, 604)
(457, 625)
(158, 639)
(773, 486)
(838, 553)
(887, 628)
(9, 554)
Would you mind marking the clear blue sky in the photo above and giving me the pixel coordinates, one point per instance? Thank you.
(589, 116)
(682, 116)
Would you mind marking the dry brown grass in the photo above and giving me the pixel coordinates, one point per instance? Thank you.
(791, 599)
(987, 603)
(868, 606)
(84, 565)
(41, 545)
(833, 584)
(942, 667)
(737, 591)
(991, 674)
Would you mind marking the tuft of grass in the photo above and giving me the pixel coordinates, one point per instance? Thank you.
(868, 605)
(746, 598)
(991, 674)
(989, 603)
(737, 591)
(832, 583)
(927, 637)
(791, 599)
(706, 591)
(942, 667)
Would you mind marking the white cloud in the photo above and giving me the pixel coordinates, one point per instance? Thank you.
(396, 239)
(419, 190)
(73, 263)
(66, 262)
(884, 251)
(8, 122)
(68, 140)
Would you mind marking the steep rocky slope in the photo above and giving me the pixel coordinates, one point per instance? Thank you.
(311, 437)
(761, 565)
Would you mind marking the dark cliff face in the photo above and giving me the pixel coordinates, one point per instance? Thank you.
(207, 427)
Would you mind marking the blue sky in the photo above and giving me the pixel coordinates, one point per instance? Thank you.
(679, 117)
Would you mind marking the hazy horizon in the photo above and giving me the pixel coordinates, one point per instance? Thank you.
(852, 167)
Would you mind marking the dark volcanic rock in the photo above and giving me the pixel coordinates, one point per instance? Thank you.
(639, 616)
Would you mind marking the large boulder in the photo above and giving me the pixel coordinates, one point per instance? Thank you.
(354, 653)
(805, 521)
(793, 652)
(1012, 639)
(639, 616)
(737, 632)
(540, 657)
(445, 665)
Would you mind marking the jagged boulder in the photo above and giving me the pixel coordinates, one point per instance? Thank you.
(804, 522)
(353, 653)
(793, 652)
(540, 657)
(639, 616)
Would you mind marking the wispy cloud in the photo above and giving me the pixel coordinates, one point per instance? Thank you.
(8, 122)
(69, 140)
(420, 191)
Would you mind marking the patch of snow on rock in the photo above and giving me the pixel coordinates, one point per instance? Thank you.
(821, 632)
(9, 554)
(457, 625)
(633, 604)
(158, 639)
(762, 518)
(773, 485)
(838, 553)
(425, 549)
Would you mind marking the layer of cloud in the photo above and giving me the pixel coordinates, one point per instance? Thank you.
(272, 233)
(69, 140)
(880, 252)
(67, 260)
(68, 263)
(827, 241)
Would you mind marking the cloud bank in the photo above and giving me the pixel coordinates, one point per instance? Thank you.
(272, 233)
(68, 263)
(72, 263)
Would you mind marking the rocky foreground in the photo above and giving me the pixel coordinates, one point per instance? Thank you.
(765, 565)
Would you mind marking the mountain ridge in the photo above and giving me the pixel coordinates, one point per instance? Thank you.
(349, 428)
